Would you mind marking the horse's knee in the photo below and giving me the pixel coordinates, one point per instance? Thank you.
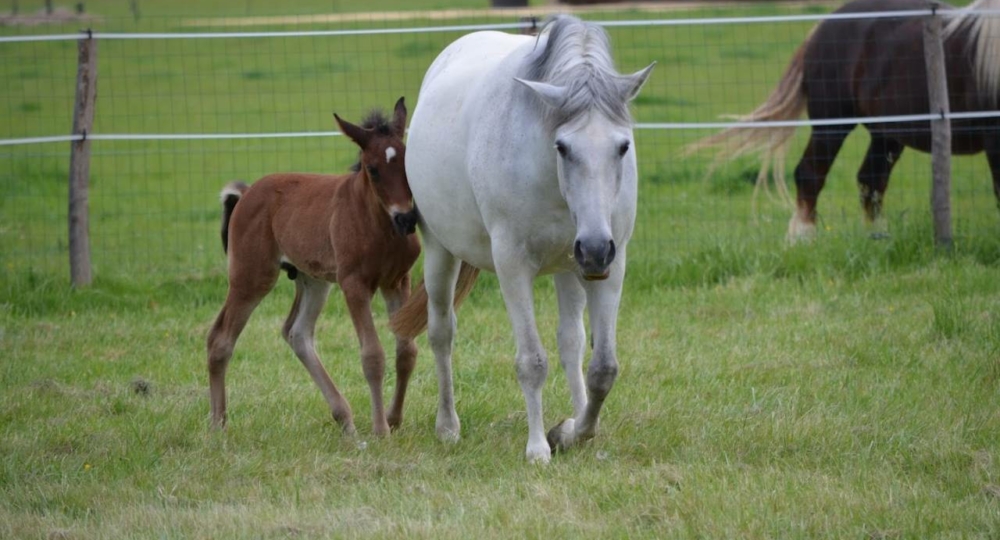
(300, 341)
(373, 365)
(441, 330)
(532, 368)
(219, 352)
(601, 374)
(406, 355)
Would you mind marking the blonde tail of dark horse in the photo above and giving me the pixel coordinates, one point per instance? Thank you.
(786, 102)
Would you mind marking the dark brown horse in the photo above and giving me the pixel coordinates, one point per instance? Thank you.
(872, 67)
(355, 230)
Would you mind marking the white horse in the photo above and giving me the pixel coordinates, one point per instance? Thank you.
(521, 161)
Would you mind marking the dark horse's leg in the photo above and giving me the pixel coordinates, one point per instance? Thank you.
(810, 176)
(873, 177)
(993, 157)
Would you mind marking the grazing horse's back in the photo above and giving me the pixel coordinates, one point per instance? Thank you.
(857, 68)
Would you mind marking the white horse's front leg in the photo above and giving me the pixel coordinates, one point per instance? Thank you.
(603, 299)
(440, 275)
(532, 364)
(572, 336)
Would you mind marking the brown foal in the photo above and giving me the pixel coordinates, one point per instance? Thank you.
(355, 230)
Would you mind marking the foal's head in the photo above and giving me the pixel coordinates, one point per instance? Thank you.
(382, 164)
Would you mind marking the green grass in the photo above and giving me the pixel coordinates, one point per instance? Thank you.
(846, 388)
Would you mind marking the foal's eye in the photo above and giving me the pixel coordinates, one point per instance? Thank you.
(561, 148)
(372, 172)
(623, 149)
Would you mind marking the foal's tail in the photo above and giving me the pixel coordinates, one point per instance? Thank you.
(786, 102)
(230, 195)
(411, 319)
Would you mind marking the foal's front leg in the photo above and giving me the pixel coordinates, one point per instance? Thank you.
(359, 303)
(406, 352)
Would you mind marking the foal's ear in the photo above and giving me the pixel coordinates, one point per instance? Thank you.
(399, 117)
(358, 134)
(631, 84)
(551, 95)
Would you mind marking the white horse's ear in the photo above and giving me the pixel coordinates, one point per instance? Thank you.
(551, 95)
(631, 84)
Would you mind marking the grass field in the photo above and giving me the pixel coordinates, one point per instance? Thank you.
(846, 388)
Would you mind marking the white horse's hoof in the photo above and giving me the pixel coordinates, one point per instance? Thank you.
(448, 436)
(448, 428)
(800, 231)
(562, 436)
(540, 453)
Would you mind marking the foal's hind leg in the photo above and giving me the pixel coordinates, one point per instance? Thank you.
(810, 176)
(873, 178)
(299, 332)
(406, 352)
(240, 303)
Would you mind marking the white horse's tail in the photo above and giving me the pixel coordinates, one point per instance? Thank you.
(786, 102)
(984, 44)
(231, 194)
(410, 320)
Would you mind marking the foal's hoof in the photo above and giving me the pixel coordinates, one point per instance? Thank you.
(348, 430)
(560, 437)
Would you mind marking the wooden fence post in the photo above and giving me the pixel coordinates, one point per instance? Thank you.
(79, 164)
(937, 87)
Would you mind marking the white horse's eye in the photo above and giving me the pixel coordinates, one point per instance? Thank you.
(623, 149)
(561, 148)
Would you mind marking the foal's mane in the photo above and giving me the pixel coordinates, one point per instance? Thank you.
(577, 56)
(984, 44)
(378, 122)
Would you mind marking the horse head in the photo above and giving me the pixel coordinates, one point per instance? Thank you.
(382, 164)
(586, 106)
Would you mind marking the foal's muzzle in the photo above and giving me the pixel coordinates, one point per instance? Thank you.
(405, 223)
(594, 257)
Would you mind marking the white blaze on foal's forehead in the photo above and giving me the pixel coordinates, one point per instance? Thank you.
(389, 154)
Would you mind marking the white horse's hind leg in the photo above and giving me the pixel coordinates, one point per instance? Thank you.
(440, 275)
(603, 299)
(532, 364)
(572, 336)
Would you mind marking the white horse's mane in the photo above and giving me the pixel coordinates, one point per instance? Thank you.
(984, 42)
(577, 56)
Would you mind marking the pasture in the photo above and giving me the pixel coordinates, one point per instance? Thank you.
(846, 388)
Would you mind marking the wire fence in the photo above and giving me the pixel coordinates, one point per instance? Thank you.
(179, 114)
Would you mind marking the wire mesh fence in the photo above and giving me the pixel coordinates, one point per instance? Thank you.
(185, 105)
